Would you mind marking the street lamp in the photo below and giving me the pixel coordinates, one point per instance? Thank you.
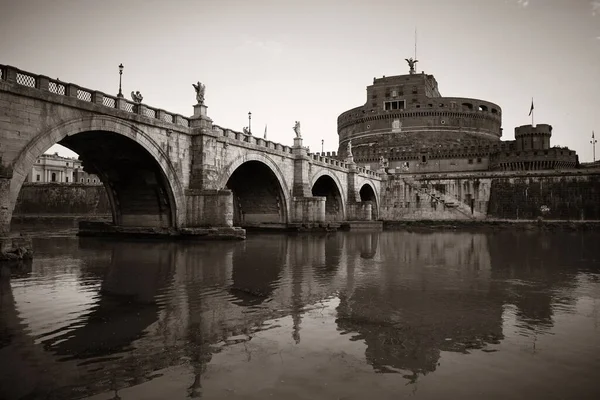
(322, 143)
(249, 122)
(593, 142)
(120, 74)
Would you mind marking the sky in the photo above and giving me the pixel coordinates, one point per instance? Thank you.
(309, 61)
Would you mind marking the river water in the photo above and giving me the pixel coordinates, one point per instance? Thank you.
(429, 315)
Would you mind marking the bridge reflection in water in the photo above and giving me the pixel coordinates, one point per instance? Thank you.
(159, 319)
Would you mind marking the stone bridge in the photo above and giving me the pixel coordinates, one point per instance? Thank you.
(169, 172)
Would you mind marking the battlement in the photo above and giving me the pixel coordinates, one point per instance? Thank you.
(539, 129)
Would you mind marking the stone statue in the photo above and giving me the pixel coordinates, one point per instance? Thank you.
(297, 129)
(199, 92)
(136, 97)
(411, 64)
(349, 149)
(381, 162)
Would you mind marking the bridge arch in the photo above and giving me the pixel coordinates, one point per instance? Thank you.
(367, 192)
(168, 187)
(326, 183)
(244, 167)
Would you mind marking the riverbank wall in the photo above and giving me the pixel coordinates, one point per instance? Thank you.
(48, 199)
(572, 195)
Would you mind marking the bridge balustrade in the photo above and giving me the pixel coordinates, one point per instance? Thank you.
(57, 87)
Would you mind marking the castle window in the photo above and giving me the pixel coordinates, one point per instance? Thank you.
(468, 105)
(424, 159)
(67, 164)
(394, 105)
(81, 180)
(479, 160)
(483, 108)
(494, 111)
(53, 178)
(394, 93)
(37, 177)
(414, 90)
(67, 179)
(470, 161)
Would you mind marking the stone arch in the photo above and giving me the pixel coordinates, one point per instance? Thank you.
(45, 139)
(370, 183)
(270, 163)
(326, 172)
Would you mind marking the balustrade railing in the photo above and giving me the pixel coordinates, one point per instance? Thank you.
(23, 78)
(57, 88)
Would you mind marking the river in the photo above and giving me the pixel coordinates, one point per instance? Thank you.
(386, 315)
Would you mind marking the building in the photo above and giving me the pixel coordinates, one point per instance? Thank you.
(406, 125)
(52, 168)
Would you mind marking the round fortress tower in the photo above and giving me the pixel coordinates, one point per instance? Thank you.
(407, 113)
(533, 137)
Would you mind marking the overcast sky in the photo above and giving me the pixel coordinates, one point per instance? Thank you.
(311, 60)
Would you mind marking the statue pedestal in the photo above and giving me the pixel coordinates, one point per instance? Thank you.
(200, 119)
(199, 111)
(297, 142)
(350, 159)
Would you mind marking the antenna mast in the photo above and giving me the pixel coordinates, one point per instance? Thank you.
(415, 43)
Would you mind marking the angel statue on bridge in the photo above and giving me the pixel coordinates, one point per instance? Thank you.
(349, 149)
(199, 92)
(136, 97)
(297, 129)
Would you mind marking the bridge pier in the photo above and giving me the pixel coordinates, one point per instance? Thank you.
(13, 247)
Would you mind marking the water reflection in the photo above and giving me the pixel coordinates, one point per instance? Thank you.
(94, 316)
(429, 293)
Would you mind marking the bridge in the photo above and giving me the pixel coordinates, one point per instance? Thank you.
(166, 171)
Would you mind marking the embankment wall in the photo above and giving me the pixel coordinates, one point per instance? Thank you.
(62, 199)
(567, 195)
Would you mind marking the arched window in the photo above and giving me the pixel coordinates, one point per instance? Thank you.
(53, 179)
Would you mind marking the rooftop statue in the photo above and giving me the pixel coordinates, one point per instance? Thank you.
(349, 149)
(199, 92)
(411, 64)
(297, 129)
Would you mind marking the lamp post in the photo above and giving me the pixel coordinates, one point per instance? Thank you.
(593, 142)
(322, 143)
(249, 122)
(120, 74)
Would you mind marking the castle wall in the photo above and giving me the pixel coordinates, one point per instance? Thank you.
(569, 195)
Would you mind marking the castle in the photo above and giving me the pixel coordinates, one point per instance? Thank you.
(407, 126)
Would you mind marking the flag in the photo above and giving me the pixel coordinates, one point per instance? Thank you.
(265, 131)
(531, 109)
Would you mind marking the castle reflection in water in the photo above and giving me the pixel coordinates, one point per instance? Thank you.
(128, 309)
